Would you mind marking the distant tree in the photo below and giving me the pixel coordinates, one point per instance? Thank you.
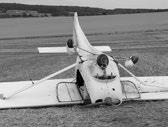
(67, 10)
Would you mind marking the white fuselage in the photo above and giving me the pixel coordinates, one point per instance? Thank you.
(100, 88)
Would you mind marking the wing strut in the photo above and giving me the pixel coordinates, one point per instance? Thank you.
(40, 81)
(141, 82)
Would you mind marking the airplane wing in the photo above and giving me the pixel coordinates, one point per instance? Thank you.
(156, 88)
(48, 93)
(59, 92)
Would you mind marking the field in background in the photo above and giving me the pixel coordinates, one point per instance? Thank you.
(19, 60)
(54, 26)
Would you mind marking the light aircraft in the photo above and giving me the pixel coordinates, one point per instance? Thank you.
(97, 80)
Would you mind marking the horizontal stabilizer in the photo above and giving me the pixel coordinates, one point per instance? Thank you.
(64, 49)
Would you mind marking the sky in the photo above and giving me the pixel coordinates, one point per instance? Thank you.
(107, 4)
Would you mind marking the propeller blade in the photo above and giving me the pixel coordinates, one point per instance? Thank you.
(40, 81)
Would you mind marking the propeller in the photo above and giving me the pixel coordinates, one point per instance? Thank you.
(38, 82)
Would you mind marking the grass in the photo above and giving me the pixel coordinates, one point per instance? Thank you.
(138, 114)
(150, 46)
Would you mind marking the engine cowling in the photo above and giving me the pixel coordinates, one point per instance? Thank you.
(70, 46)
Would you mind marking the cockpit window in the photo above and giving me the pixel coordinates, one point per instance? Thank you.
(105, 77)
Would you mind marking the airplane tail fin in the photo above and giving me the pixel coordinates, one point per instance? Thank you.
(79, 37)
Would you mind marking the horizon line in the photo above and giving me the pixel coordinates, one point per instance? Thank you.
(80, 6)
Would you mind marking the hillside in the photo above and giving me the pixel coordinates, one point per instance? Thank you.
(67, 10)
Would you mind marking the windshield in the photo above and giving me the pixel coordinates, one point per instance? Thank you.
(105, 77)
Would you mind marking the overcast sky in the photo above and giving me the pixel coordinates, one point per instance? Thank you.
(108, 4)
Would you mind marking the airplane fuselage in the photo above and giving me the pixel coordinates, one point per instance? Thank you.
(99, 85)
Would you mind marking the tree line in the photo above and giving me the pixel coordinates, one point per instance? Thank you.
(68, 10)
